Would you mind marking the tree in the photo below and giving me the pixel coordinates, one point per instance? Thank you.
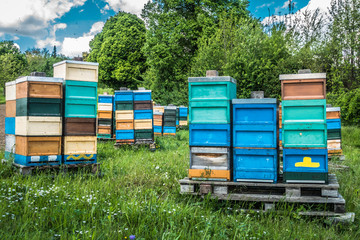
(12, 62)
(117, 49)
(175, 29)
(54, 54)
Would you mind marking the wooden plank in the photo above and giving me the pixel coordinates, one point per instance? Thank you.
(37, 89)
(38, 146)
(10, 108)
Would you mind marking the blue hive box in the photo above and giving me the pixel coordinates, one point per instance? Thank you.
(210, 135)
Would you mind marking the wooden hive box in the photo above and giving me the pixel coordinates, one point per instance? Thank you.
(105, 107)
(304, 111)
(212, 88)
(158, 109)
(334, 144)
(105, 114)
(142, 95)
(80, 127)
(104, 130)
(75, 145)
(39, 87)
(143, 124)
(124, 115)
(303, 86)
(39, 107)
(38, 126)
(333, 113)
(76, 70)
(38, 146)
(10, 91)
(143, 105)
(124, 124)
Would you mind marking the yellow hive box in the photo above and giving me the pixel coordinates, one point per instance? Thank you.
(124, 124)
(105, 114)
(143, 124)
(183, 123)
(104, 129)
(105, 107)
(124, 115)
(74, 145)
(210, 174)
(38, 146)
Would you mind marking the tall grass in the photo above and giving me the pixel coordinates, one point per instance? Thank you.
(138, 194)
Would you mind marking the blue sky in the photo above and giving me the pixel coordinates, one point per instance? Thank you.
(71, 24)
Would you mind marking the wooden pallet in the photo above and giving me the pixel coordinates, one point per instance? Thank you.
(271, 194)
(106, 139)
(151, 144)
(26, 170)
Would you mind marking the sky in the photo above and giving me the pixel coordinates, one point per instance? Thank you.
(71, 24)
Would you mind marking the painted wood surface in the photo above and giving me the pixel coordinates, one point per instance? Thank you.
(302, 89)
(305, 160)
(125, 134)
(10, 108)
(38, 107)
(258, 165)
(209, 135)
(312, 135)
(10, 91)
(38, 146)
(143, 105)
(36, 89)
(10, 125)
(80, 126)
(78, 71)
(124, 124)
(104, 130)
(210, 158)
(144, 134)
(105, 107)
(124, 115)
(209, 174)
(38, 126)
(304, 111)
(333, 115)
(214, 90)
(209, 112)
(80, 145)
(143, 124)
(105, 114)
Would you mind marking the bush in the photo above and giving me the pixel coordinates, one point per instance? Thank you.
(350, 105)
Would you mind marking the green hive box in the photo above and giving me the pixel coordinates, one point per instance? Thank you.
(170, 123)
(209, 112)
(44, 107)
(305, 177)
(124, 105)
(80, 99)
(170, 112)
(211, 88)
(108, 136)
(306, 111)
(310, 135)
(144, 134)
(333, 134)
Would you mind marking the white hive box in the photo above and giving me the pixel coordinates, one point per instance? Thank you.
(76, 70)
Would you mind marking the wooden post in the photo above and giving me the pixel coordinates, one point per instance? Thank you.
(212, 73)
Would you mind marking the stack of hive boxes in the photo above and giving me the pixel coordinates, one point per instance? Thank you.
(169, 120)
(158, 123)
(209, 123)
(255, 155)
(304, 135)
(143, 115)
(124, 116)
(183, 116)
(105, 116)
(38, 120)
(80, 110)
(333, 130)
(10, 114)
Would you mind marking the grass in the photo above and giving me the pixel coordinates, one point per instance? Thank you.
(138, 194)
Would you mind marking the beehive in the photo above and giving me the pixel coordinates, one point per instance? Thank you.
(38, 126)
(80, 126)
(304, 127)
(209, 123)
(333, 122)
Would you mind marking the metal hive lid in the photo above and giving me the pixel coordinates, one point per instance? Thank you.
(302, 76)
(10, 83)
(39, 79)
(333, 109)
(212, 79)
(255, 101)
(75, 62)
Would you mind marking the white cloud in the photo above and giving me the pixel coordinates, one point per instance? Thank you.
(17, 45)
(132, 6)
(72, 47)
(265, 5)
(32, 17)
(51, 40)
(16, 38)
(312, 6)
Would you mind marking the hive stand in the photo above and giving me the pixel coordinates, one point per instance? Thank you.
(26, 170)
(272, 194)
